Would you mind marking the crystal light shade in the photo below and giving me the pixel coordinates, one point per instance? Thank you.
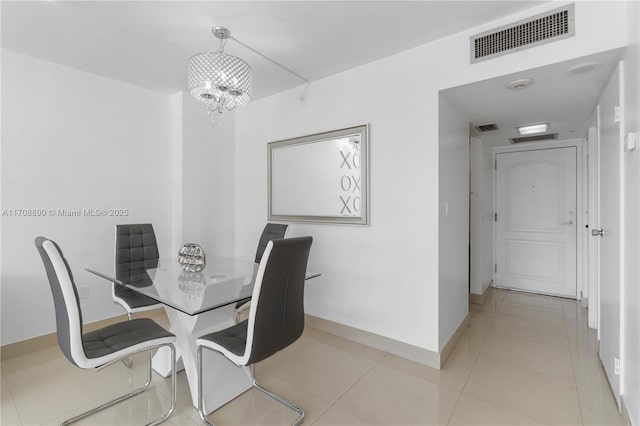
(220, 81)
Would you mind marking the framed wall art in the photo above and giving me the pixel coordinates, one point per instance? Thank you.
(321, 178)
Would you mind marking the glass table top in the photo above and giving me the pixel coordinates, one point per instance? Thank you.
(222, 282)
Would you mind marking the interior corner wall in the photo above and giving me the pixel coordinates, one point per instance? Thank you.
(453, 219)
(630, 380)
(488, 222)
(476, 246)
(481, 218)
(208, 200)
(74, 143)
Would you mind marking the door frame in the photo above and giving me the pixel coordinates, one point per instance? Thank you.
(578, 143)
(593, 220)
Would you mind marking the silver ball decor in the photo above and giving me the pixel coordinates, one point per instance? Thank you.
(192, 258)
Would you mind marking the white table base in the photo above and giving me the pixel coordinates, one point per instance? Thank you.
(223, 380)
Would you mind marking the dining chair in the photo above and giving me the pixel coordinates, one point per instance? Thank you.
(271, 231)
(105, 346)
(276, 316)
(136, 248)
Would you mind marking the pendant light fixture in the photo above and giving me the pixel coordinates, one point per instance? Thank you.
(220, 81)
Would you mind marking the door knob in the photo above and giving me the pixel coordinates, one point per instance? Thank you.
(568, 222)
(597, 232)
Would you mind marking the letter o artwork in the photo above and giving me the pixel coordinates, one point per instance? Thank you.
(356, 204)
(345, 187)
(356, 160)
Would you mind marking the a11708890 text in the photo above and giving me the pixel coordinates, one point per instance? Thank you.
(88, 212)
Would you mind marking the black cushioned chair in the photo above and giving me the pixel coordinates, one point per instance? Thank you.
(276, 316)
(100, 348)
(136, 249)
(272, 231)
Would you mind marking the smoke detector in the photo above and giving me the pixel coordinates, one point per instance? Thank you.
(520, 83)
(582, 68)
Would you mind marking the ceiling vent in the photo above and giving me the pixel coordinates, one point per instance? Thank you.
(535, 138)
(487, 127)
(540, 29)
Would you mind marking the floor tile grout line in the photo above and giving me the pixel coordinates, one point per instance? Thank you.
(474, 366)
(358, 381)
(333, 404)
(296, 386)
(475, 360)
(554, 376)
(13, 401)
(573, 369)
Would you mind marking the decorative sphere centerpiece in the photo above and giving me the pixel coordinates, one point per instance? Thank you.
(191, 258)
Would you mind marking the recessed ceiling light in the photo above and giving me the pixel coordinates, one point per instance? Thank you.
(533, 129)
(519, 84)
(582, 68)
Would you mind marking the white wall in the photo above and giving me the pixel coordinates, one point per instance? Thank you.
(475, 215)
(72, 140)
(631, 162)
(453, 219)
(481, 216)
(208, 206)
(384, 278)
(371, 274)
(488, 190)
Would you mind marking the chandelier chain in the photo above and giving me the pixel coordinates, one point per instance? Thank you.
(269, 59)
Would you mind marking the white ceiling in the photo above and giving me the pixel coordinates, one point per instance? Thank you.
(563, 99)
(148, 43)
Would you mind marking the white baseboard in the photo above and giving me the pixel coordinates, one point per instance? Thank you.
(479, 299)
(404, 350)
(387, 344)
(626, 420)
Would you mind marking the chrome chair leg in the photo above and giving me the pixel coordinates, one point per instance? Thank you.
(249, 370)
(128, 361)
(201, 412)
(136, 392)
(173, 388)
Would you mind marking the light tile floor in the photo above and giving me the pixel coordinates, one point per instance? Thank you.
(524, 360)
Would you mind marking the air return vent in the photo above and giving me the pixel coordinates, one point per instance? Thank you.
(540, 29)
(535, 138)
(487, 127)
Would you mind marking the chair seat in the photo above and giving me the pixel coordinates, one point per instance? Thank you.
(133, 299)
(233, 339)
(120, 336)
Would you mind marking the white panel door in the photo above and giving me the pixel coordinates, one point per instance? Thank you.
(611, 149)
(536, 221)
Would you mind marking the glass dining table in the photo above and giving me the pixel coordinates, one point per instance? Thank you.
(196, 303)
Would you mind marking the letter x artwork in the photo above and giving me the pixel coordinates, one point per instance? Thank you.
(349, 185)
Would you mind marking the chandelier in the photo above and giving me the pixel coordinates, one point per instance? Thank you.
(220, 81)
